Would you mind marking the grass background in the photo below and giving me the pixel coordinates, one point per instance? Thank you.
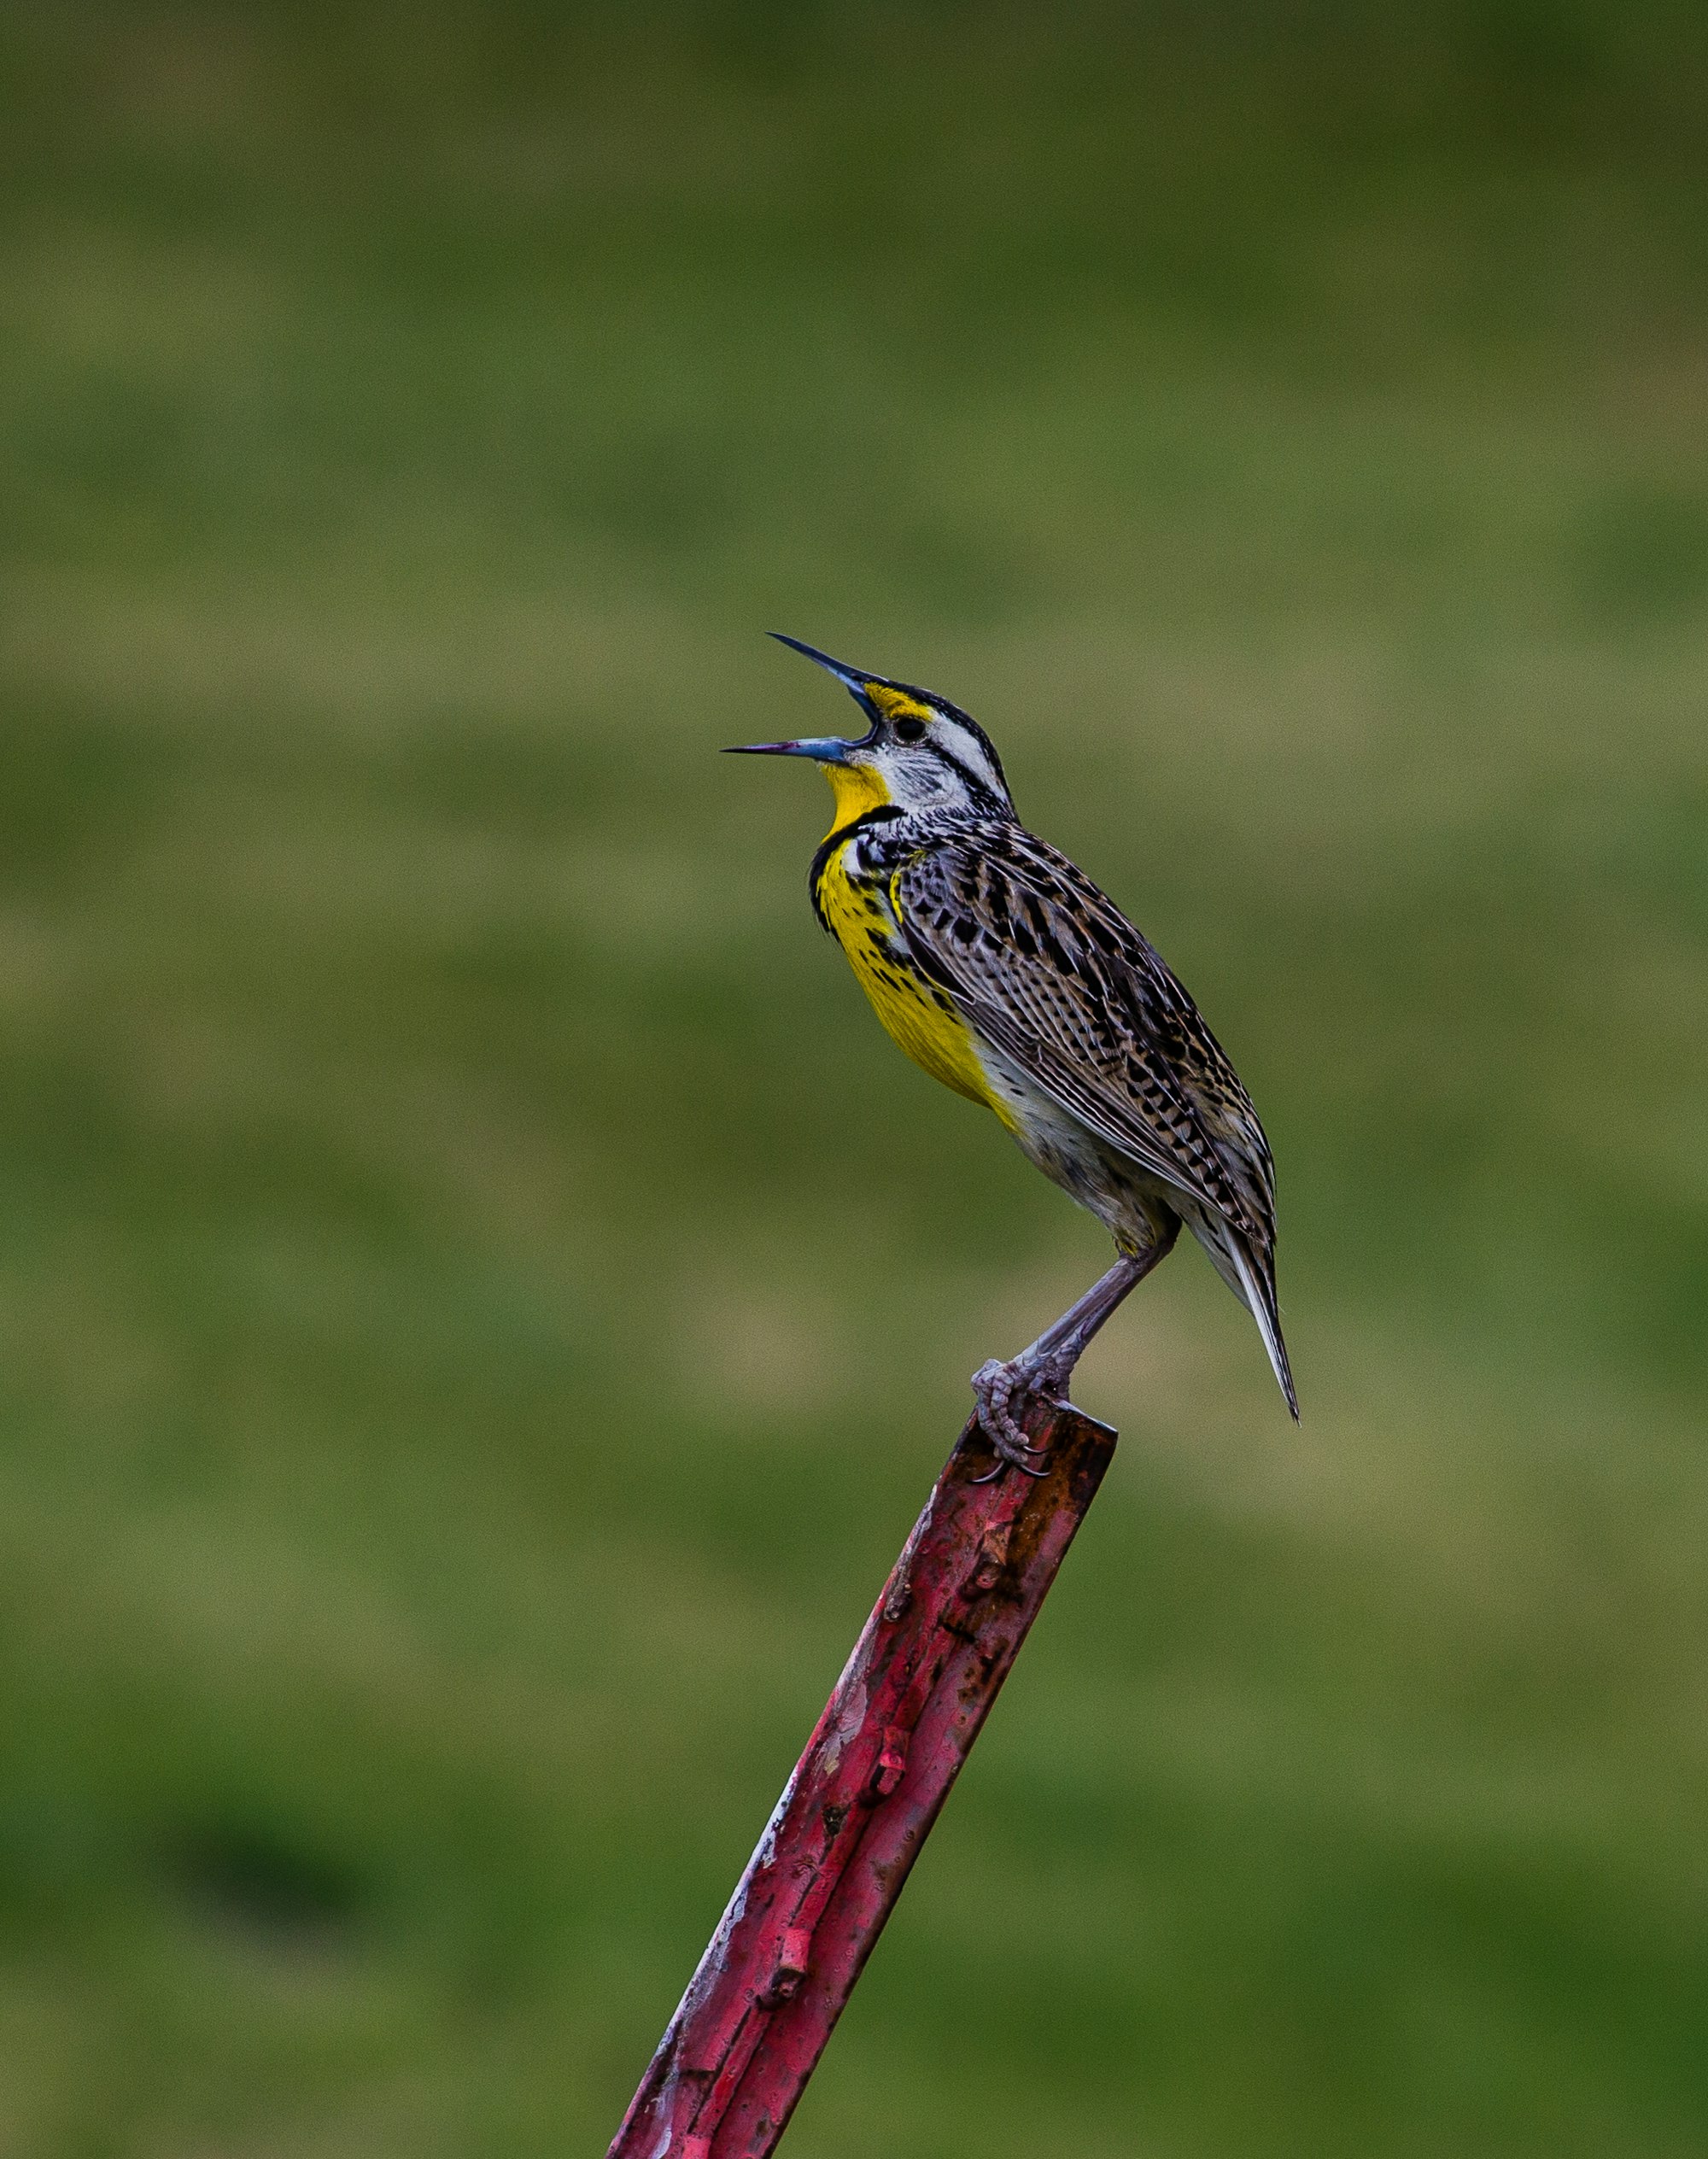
(480, 1302)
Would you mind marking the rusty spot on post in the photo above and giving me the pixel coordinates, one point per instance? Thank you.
(892, 1762)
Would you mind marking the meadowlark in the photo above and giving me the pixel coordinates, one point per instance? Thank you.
(999, 967)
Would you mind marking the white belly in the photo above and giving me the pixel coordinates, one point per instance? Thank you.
(1131, 1204)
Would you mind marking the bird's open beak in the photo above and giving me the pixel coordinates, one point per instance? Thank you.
(824, 749)
(828, 749)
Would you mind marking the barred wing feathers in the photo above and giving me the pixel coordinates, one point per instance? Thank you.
(1048, 970)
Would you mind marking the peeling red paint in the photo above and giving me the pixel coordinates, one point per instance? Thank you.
(864, 1795)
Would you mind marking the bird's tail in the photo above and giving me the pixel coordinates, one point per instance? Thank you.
(1257, 1285)
(1253, 1284)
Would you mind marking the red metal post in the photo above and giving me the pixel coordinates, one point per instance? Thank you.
(831, 1864)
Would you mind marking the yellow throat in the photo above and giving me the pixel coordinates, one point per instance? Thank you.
(915, 1015)
(857, 788)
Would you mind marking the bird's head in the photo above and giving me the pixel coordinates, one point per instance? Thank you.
(918, 752)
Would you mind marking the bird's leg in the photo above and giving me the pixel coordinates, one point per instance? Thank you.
(1043, 1371)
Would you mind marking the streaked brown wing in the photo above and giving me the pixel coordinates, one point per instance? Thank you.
(1051, 971)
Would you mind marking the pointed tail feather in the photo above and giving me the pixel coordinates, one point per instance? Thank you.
(1254, 1287)
(1260, 1298)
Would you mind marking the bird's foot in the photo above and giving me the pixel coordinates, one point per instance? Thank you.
(996, 1387)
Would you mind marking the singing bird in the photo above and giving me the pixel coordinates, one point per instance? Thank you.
(999, 967)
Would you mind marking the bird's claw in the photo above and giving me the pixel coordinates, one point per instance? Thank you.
(995, 1385)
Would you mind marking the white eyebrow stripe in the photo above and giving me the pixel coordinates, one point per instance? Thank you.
(969, 750)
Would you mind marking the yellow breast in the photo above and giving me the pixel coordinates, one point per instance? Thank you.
(926, 1025)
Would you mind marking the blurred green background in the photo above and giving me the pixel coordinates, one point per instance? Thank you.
(482, 1301)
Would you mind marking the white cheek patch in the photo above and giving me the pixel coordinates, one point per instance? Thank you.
(914, 781)
(951, 766)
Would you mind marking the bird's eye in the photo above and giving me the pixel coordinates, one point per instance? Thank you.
(910, 730)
